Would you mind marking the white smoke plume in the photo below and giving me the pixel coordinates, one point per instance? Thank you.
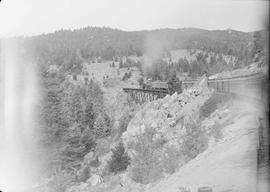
(154, 50)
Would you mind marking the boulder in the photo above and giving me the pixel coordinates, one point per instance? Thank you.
(172, 122)
(202, 82)
(89, 157)
(95, 180)
(84, 173)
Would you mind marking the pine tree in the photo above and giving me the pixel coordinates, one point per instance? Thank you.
(89, 115)
(120, 159)
(87, 140)
(100, 126)
(51, 106)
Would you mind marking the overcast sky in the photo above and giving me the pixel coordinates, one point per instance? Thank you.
(30, 17)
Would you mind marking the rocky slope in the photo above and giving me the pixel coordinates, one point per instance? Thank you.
(228, 164)
(167, 115)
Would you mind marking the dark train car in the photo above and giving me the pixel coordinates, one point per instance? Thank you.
(159, 85)
(171, 86)
(156, 85)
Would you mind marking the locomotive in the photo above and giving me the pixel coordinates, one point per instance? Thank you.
(171, 86)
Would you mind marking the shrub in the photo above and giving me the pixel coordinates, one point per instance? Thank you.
(123, 123)
(105, 170)
(129, 74)
(74, 77)
(61, 181)
(87, 140)
(103, 146)
(141, 82)
(170, 159)
(212, 104)
(216, 131)
(145, 165)
(95, 162)
(102, 125)
(145, 168)
(119, 160)
(86, 79)
(153, 156)
(195, 141)
(84, 173)
(125, 77)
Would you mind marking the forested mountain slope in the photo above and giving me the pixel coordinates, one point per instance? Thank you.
(107, 42)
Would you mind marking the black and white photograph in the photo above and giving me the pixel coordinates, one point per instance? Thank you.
(134, 96)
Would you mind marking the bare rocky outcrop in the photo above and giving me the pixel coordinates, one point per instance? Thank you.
(166, 115)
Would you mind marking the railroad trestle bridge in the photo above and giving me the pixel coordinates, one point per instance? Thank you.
(145, 95)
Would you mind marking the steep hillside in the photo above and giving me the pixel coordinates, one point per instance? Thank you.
(229, 164)
(173, 147)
